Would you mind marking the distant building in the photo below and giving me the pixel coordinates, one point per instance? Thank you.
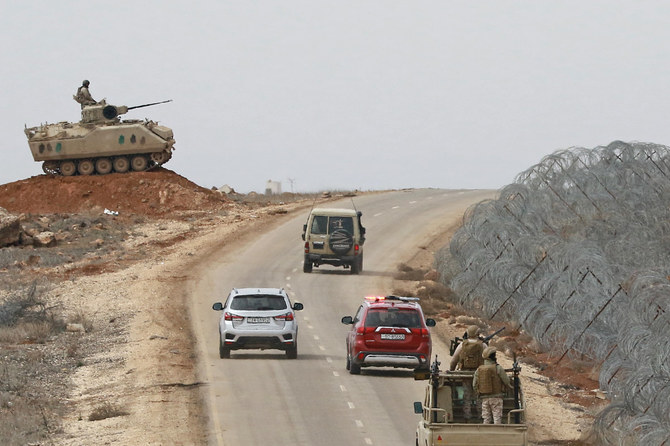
(272, 187)
(225, 189)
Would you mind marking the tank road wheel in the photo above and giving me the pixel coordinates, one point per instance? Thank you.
(159, 157)
(103, 166)
(68, 168)
(139, 163)
(85, 167)
(50, 167)
(121, 164)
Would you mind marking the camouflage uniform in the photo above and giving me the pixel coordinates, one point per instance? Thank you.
(489, 380)
(468, 356)
(83, 96)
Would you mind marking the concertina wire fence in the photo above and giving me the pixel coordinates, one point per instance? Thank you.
(577, 252)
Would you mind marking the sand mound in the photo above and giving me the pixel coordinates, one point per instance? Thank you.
(154, 193)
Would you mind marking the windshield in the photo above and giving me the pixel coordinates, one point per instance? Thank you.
(258, 302)
(393, 317)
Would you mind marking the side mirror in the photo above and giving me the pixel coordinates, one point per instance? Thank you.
(217, 306)
(347, 320)
(418, 407)
(430, 322)
(297, 306)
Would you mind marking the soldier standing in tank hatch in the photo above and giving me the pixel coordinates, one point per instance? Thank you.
(468, 356)
(488, 382)
(83, 96)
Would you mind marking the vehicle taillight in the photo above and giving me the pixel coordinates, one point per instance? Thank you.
(356, 249)
(232, 317)
(306, 247)
(425, 333)
(284, 317)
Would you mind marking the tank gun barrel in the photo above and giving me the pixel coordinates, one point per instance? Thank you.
(148, 105)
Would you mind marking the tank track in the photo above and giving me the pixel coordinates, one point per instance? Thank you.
(151, 161)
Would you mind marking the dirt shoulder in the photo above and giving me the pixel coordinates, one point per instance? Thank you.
(149, 368)
(129, 376)
(562, 399)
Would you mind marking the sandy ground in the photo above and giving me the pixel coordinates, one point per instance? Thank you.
(144, 365)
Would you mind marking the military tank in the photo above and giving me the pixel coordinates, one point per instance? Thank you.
(101, 142)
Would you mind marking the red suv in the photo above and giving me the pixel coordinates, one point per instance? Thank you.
(388, 331)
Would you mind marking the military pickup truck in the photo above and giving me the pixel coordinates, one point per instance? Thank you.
(442, 420)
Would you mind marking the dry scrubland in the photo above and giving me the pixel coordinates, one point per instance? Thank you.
(94, 331)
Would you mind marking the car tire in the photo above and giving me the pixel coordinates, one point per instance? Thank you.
(360, 263)
(292, 351)
(348, 366)
(341, 241)
(224, 352)
(354, 369)
(307, 266)
(354, 267)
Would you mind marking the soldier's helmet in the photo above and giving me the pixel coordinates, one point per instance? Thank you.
(488, 351)
(85, 83)
(473, 331)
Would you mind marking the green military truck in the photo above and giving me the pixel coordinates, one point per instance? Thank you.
(442, 419)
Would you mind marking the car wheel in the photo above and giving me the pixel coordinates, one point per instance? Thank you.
(354, 267)
(292, 352)
(224, 352)
(360, 263)
(307, 266)
(341, 241)
(354, 369)
(348, 363)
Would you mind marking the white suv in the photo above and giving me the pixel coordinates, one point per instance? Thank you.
(258, 318)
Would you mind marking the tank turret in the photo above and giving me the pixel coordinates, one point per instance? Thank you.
(102, 112)
(101, 142)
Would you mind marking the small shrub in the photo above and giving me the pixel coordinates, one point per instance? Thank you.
(80, 318)
(406, 272)
(12, 378)
(106, 410)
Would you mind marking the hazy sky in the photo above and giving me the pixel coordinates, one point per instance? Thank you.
(345, 94)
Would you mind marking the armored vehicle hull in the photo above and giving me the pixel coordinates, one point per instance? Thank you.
(100, 143)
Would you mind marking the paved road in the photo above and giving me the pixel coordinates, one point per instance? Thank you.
(260, 397)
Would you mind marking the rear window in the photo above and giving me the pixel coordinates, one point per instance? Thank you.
(319, 224)
(393, 317)
(346, 223)
(322, 224)
(258, 302)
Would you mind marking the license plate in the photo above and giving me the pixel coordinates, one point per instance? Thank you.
(393, 336)
(258, 320)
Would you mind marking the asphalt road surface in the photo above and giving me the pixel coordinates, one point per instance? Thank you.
(260, 397)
